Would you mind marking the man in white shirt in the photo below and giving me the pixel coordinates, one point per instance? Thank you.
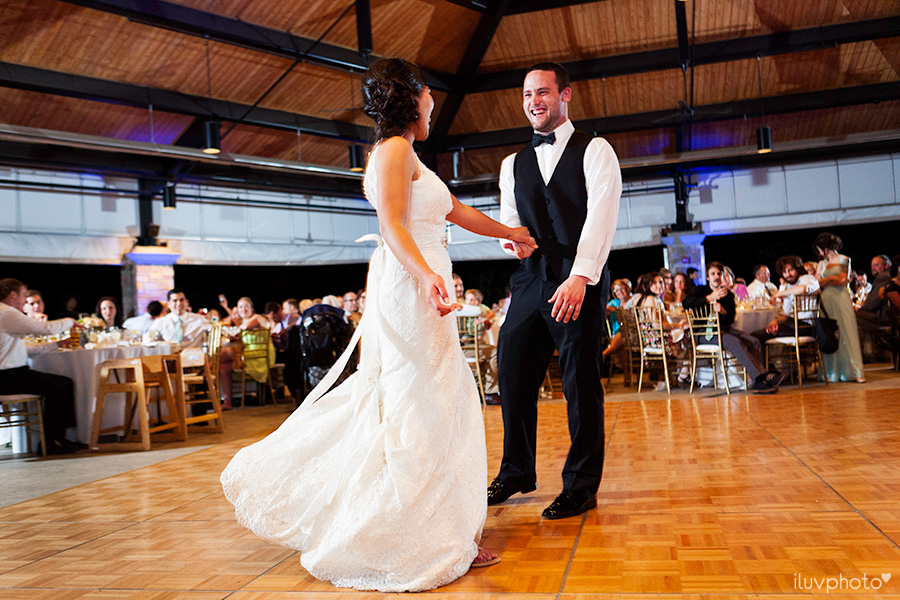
(180, 326)
(17, 378)
(761, 286)
(794, 284)
(143, 322)
(565, 187)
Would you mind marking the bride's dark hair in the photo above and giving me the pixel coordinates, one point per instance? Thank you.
(390, 88)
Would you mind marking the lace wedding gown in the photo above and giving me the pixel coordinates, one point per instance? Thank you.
(380, 483)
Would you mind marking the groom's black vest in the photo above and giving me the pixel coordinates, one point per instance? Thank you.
(554, 213)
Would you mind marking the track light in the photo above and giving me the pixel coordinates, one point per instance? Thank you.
(763, 134)
(356, 158)
(212, 138)
(764, 140)
(169, 196)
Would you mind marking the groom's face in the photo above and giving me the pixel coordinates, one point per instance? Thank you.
(545, 105)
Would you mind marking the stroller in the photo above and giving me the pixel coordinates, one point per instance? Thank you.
(324, 334)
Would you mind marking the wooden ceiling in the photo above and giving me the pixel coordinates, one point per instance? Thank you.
(654, 76)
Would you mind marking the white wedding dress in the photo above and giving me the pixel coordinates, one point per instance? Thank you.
(380, 483)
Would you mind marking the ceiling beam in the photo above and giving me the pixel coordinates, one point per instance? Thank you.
(364, 29)
(190, 21)
(90, 88)
(528, 6)
(750, 108)
(784, 42)
(465, 75)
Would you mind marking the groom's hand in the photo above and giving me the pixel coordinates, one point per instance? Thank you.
(567, 299)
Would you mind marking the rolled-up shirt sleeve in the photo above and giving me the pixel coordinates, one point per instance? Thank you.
(509, 214)
(603, 179)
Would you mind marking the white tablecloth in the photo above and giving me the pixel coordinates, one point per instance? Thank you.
(82, 366)
(752, 320)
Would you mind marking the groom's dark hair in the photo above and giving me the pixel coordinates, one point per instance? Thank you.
(562, 76)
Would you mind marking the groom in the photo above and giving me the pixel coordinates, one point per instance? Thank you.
(565, 188)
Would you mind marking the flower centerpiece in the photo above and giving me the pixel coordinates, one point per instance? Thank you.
(90, 328)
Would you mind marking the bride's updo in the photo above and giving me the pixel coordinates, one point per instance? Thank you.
(390, 89)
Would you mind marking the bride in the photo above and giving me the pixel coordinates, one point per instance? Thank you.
(379, 483)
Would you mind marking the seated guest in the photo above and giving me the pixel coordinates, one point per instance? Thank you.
(649, 291)
(621, 292)
(681, 288)
(669, 291)
(143, 322)
(693, 274)
(108, 310)
(180, 326)
(350, 304)
(290, 308)
(34, 306)
(245, 316)
(71, 306)
(891, 291)
(305, 305)
(873, 314)
(361, 298)
(743, 346)
(17, 378)
(487, 346)
(794, 284)
(332, 300)
(761, 286)
(459, 290)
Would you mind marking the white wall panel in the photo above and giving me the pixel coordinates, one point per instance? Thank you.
(183, 223)
(896, 174)
(812, 187)
(9, 202)
(109, 213)
(224, 222)
(654, 208)
(713, 198)
(760, 192)
(51, 211)
(866, 182)
(269, 224)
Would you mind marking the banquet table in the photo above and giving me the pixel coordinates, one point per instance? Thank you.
(82, 366)
(749, 321)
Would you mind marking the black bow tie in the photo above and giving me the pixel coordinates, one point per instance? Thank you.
(538, 139)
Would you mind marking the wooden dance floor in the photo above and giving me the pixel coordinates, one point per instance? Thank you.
(702, 495)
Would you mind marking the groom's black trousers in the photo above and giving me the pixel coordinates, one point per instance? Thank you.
(527, 339)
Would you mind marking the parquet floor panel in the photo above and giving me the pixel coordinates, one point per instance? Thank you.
(703, 498)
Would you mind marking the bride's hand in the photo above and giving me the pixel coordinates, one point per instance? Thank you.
(437, 295)
(522, 242)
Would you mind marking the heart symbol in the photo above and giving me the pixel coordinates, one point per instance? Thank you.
(885, 577)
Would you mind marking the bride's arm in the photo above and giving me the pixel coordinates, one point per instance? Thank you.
(477, 222)
(395, 166)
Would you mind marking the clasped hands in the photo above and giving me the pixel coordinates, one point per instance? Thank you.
(520, 241)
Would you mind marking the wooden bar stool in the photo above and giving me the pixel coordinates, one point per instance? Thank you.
(15, 413)
(135, 377)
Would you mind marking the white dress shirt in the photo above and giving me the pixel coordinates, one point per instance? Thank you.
(192, 328)
(14, 326)
(811, 285)
(603, 179)
(140, 323)
(758, 289)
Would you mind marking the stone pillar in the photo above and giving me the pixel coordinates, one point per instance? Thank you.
(684, 250)
(148, 273)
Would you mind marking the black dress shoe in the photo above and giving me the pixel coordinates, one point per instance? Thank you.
(500, 491)
(492, 399)
(569, 504)
(64, 446)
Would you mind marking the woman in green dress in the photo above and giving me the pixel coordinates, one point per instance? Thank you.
(833, 273)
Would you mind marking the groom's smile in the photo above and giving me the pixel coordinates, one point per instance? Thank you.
(545, 105)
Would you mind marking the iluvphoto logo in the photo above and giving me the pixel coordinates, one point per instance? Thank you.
(840, 583)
